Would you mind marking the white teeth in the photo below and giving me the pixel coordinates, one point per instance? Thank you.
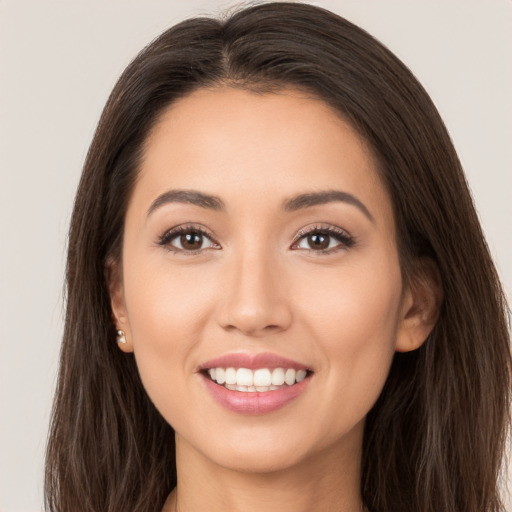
(289, 377)
(278, 377)
(230, 376)
(220, 375)
(262, 379)
(300, 375)
(244, 377)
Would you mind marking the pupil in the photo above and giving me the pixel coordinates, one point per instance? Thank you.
(191, 241)
(318, 241)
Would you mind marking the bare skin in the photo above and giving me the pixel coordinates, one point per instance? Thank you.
(319, 284)
(281, 490)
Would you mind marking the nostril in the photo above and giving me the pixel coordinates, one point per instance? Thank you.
(253, 330)
(253, 308)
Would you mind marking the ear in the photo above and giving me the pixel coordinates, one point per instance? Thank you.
(421, 305)
(113, 276)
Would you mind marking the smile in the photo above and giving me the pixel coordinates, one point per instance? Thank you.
(255, 383)
(259, 380)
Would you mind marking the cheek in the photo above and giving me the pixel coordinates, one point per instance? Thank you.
(355, 304)
(166, 313)
(353, 317)
(165, 302)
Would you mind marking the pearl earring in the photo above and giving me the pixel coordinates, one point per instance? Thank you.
(121, 338)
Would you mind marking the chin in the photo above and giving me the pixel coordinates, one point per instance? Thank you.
(261, 461)
(267, 452)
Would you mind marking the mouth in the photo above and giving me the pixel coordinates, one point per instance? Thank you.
(256, 380)
(255, 384)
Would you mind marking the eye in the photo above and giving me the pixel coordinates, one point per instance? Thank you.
(191, 241)
(323, 240)
(188, 239)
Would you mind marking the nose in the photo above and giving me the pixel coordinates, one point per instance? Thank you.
(255, 300)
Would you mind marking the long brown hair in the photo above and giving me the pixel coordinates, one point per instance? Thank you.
(435, 439)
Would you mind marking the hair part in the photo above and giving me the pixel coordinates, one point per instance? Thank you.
(435, 438)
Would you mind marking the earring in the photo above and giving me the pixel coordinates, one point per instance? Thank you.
(121, 338)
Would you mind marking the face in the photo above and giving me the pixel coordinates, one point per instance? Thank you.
(260, 249)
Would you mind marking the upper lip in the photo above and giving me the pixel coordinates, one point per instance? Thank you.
(252, 362)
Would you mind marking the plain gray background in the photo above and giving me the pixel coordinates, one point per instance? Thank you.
(58, 62)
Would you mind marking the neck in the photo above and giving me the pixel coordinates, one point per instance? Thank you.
(326, 482)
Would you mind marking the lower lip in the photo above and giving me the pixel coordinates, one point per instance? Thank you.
(255, 402)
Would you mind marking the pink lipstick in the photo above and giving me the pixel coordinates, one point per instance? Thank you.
(254, 383)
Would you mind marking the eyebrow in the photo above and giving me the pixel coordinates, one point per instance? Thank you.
(188, 196)
(293, 204)
(327, 196)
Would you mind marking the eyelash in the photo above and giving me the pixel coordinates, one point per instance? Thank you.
(346, 241)
(168, 236)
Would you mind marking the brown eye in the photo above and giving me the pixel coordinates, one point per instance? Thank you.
(187, 240)
(324, 240)
(318, 241)
(191, 241)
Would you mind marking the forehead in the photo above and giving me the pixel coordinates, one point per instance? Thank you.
(243, 145)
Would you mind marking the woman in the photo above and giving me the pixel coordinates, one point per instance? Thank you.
(274, 228)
